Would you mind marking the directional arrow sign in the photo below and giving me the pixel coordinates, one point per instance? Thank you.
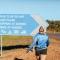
(17, 24)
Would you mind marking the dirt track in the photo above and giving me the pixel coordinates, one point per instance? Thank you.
(53, 53)
(18, 53)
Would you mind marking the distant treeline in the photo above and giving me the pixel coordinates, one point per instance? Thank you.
(54, 26)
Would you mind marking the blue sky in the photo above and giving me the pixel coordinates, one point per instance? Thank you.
(48, 9)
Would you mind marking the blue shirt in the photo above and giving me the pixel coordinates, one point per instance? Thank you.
(40, 41)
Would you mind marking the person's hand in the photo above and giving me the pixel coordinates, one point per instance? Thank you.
(28, 49)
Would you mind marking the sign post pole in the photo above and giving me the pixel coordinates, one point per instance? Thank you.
(1, 45)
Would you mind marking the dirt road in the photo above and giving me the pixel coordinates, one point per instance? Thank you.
(53, 53)
(18, 53)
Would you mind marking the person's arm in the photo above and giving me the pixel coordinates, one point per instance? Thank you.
(33, 43)
(48, 42)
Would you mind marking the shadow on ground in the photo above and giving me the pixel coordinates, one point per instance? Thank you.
(17, 59)
(14, 47)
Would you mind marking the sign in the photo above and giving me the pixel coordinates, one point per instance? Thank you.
(17, 24)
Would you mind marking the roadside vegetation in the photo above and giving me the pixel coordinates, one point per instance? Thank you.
(54, 26)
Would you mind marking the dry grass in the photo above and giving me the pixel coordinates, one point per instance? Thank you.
(16, 40)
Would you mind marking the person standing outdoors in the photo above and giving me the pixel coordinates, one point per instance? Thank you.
(40, 43)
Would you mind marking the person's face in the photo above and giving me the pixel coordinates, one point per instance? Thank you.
(41, 29)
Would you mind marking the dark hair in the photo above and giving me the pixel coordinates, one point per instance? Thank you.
(40, 28)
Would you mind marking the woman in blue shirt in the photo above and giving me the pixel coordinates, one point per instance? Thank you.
(40, 43)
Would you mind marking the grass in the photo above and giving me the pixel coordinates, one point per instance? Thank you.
(16, 40)
(15, 37)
